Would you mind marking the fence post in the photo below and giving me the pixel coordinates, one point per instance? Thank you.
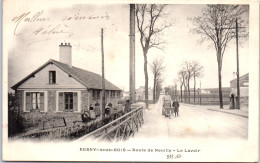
(64, 121)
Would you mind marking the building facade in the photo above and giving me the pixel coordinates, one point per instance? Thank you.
(244, 90)
(60, 87)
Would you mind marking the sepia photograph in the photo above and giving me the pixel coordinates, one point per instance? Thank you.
(130, 81)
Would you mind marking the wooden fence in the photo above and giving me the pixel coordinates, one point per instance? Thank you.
(130, 122)
(119, 129)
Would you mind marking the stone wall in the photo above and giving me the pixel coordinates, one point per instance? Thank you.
(85, 99)
(19, 99)
(36, 119)
(51, 101)
(244, 101)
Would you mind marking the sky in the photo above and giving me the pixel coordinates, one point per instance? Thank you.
(32, 43)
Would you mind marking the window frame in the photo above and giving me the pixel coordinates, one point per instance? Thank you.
(69, 102)
(75, 101)
(52, 77)
(42, 102)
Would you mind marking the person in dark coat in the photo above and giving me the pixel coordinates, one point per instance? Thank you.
(176, 105)
(107, 110)
(127, 106)
(92, 112)
(85, 116)
(97, 109)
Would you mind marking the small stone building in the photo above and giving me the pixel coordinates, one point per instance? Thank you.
(57, 86)
(244, 88)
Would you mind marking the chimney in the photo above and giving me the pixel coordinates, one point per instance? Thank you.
(65, 53)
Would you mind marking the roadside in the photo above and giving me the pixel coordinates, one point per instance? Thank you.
(243, 111)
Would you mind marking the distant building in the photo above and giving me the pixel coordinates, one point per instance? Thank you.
(126, 95)
(60, 87)
(244, 88)
(140, 94)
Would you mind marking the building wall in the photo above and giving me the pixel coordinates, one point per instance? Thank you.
(244, 101)
(64, 83)
(244, 89)
(109, 98)
(51, 100)
(85, 99)
(41, 80)
(243, 81)
(19, 99)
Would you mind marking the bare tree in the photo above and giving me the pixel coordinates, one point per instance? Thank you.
(188, 67)
(182, 77)
(157, 69)
(217, 24)
(158, 89)
(197, 71)
(175, 88)
(150, 28)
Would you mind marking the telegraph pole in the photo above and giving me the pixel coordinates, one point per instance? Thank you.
(238, 87)
(132, 54)
(103, 75)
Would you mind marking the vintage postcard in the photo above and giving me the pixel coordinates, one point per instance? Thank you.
(167, 81)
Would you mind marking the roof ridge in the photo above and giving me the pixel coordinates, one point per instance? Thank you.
(85, 77)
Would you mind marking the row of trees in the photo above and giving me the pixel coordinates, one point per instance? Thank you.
(215, 25)
(157, 67)
(190, 70)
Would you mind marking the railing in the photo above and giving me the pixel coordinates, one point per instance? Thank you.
(119, 129)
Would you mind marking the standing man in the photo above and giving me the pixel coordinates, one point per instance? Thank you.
(176, 105)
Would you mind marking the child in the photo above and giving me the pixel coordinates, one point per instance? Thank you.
(107, 110)
(92, 112)
(85, 116)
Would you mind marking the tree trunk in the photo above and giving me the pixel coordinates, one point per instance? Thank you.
(220, 87)
(185, 94)
(194, 89)
(157, 92)
(154, 89)
(188, 91)
(146, 80)
(181, 93)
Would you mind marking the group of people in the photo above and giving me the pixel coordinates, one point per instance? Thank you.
(95, 111)
(170, 107)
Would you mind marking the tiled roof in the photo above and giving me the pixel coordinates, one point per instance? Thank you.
(89, 79)
(243, 77)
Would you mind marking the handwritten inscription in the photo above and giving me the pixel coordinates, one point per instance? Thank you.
(78, 17)
(51, 30)
(47, 26)
(25, 17)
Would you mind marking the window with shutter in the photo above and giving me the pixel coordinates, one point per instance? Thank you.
(34, 100)
(61, 101)
(41, 102)
(28, 105)
(68, 101)
(75, 101)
